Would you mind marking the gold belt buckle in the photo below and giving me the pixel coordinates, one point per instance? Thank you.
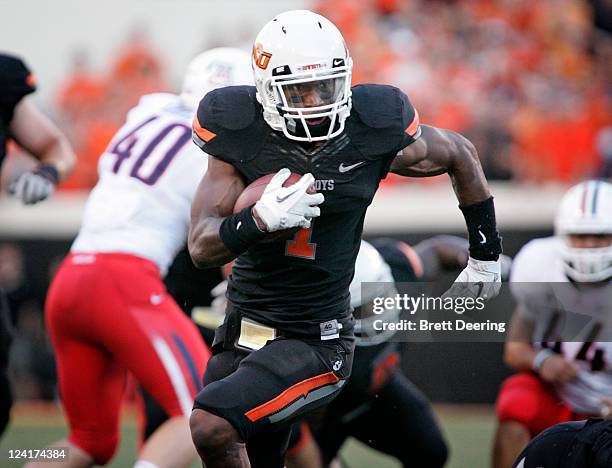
(254, 335)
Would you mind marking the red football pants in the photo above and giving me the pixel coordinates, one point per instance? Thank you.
(528, 400)
(108, 314)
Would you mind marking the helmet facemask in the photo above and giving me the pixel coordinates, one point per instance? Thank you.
(586, 264)
(310, 106)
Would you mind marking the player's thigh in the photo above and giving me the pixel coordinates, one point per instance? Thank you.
(91, 385)
(272, 386)
(164, 351)
(400, 421)
(90, 381)
(526, 399)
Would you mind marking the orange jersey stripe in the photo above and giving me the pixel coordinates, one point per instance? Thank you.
(414, 125)
(31, 80)
(292, 393)
(203, 133)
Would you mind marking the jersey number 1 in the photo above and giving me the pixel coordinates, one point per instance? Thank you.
(300, 246)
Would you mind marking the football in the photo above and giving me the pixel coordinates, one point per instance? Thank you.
(253, 192)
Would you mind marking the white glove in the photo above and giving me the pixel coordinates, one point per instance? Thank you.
(31, 187)
(479, 278)
(287, 207)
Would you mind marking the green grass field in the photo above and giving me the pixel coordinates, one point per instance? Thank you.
(469, 430)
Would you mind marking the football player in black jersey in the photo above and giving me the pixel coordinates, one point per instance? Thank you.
(286, 345)
(380, 406)
(21, 121)
(575, 444)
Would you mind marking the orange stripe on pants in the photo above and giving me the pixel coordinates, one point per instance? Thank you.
(292, 393)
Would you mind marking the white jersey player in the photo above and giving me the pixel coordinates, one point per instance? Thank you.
(151, 168)
(107, 309)
(561, 334)
(552, 308)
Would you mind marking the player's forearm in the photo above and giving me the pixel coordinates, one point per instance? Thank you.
(475, 200)
(465, 171)
(442, 252)
(206, 247)
(215, 241)
(59, 154)
(40, 137)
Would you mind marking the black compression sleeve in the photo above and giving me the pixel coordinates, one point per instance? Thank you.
(485, 242)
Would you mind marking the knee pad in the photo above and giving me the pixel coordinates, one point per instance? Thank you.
(101, 447)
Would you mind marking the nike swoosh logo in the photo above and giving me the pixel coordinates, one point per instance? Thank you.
(484, 239)
(342, 168)
(280, 199)
(338, 62)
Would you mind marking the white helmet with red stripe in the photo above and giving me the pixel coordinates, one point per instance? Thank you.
(215, 68)
(302, 72)
(586, 209)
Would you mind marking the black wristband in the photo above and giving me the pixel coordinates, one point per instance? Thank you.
(239, 231)
(485, 242)
(49, 172)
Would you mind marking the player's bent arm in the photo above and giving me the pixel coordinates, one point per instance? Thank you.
(519, 353)
(438, 151)
(442, 253)
(35, 133)
(213, 202)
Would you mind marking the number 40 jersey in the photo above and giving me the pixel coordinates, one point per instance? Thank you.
(147, 178)
(559, 309)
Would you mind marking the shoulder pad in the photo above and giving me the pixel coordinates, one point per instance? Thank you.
(383, 120)
(228, 122)
(16, 81)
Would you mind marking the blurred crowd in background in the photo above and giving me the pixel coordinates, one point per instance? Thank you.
(527, 81)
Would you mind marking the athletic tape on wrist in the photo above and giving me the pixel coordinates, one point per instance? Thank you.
(542, 356)
(239, 231)
(49, 172)
(485, 242)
